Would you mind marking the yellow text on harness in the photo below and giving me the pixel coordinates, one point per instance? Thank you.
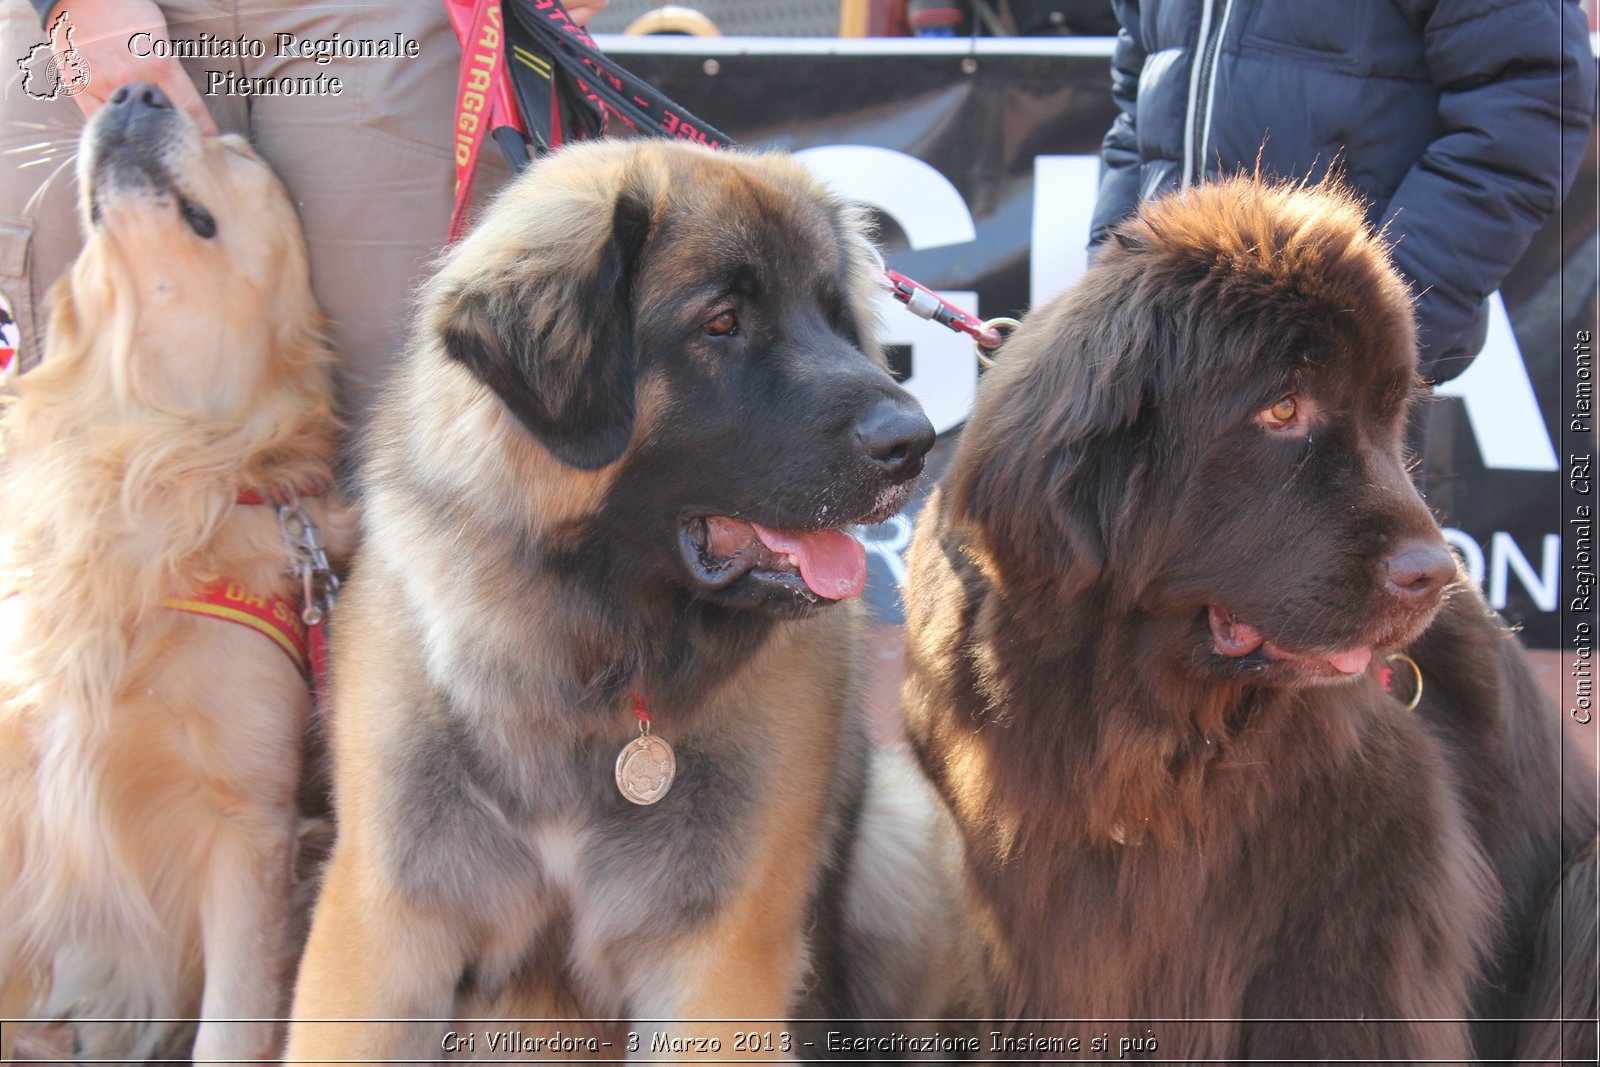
(270, 615)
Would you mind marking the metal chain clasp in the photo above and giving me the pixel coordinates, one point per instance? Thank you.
(308, 561)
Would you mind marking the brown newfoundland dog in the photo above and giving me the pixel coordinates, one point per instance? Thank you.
(1149, 615)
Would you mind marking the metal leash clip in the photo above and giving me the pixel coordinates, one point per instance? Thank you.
(308, 560)
(927, 304)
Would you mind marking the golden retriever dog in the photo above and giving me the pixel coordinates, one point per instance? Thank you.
(596, 731)
(1150, 616)
(152, 704)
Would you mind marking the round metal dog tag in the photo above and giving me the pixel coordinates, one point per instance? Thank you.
(645, 768)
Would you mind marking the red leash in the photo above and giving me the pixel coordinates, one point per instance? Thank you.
(925, 303)
(483, 98)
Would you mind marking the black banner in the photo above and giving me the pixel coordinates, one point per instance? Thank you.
(981, 159)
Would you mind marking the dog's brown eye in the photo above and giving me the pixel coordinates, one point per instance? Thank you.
(722, 325)
(1281, 415)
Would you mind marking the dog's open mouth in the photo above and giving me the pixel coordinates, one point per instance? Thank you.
(826, 564)
(1235, 638)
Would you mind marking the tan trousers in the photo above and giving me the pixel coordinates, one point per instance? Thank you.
(370, 169)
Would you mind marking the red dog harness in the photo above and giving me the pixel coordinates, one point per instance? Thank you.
(298, 628)
(272, 616)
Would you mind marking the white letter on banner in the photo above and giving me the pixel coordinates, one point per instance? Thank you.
(1504, 556)
(944, 371)
(1064, 190)
(1501, 405)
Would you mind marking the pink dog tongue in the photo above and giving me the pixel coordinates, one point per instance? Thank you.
(833, 564)
(1353, 662)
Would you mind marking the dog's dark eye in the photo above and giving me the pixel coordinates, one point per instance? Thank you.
(199, 219)
(1283, 415)
(723, 325)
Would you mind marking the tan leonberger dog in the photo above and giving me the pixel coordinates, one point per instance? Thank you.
(149, 756)
(610, 480)
(1151, 613)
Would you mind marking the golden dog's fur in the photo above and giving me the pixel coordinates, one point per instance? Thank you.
(148, 757)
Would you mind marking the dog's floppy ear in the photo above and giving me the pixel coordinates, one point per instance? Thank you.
(555, 340)
(1047, 458)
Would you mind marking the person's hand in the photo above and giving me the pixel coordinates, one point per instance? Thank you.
(581, 11)
(102, 30)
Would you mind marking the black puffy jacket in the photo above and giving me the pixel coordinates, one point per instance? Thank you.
(1461, 122)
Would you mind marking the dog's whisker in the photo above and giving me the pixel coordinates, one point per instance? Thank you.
(29, 124)
(52, 145)
(45, 159)
(44, 186)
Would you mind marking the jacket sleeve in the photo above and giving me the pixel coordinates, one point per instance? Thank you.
(1119, 150)
(1516, 85)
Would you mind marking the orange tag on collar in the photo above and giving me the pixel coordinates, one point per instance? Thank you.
(272, 616)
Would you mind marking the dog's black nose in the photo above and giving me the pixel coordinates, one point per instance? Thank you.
(137, 96)
(1418, 569)
(896, 436)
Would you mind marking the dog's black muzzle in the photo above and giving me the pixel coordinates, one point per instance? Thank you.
(132, 134)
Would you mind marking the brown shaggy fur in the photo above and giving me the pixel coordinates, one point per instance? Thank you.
(149, 758)
(1214, 847)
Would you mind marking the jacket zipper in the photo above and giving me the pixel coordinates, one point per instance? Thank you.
(1202, 91)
